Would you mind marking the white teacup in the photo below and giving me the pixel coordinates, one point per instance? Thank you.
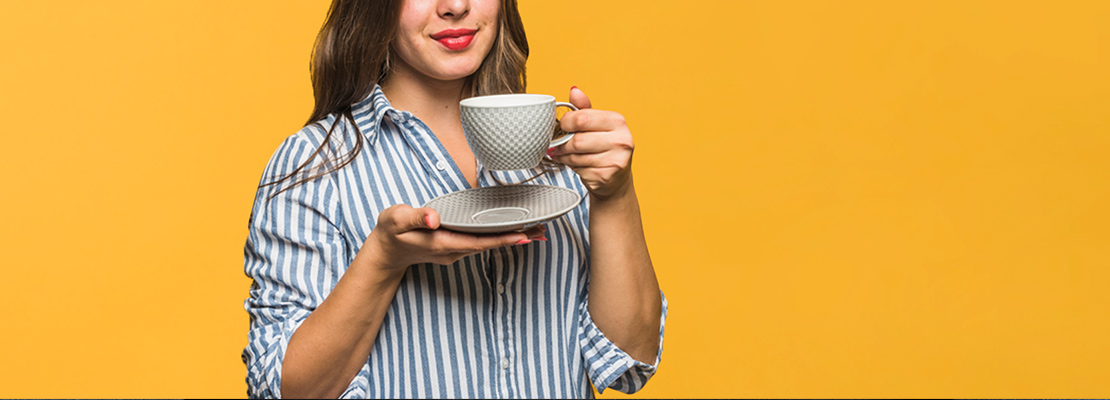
(511, 131)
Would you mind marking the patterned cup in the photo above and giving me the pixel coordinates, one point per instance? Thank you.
(511, 131)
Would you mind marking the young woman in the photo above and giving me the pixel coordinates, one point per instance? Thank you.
(356, 291)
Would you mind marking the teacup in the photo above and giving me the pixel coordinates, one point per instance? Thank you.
(511, 131)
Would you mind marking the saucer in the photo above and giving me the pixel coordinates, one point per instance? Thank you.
(498, 209)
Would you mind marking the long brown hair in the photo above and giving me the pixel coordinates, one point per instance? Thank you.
(351, 57)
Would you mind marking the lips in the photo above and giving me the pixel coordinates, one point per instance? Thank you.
(455, 39)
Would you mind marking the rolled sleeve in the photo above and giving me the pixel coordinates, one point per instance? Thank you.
(295, 254)
(264, 355)
(610, 367)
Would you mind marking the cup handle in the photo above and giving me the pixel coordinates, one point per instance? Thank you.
(564, 138)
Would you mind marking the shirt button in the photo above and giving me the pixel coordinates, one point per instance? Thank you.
(441, 165)
(505, 363)
(500, 288)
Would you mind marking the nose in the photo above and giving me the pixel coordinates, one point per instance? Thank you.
(453, 9)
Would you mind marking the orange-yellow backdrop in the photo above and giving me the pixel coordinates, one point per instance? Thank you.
(842, 198)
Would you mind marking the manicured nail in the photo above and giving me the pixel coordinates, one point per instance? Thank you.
(524, 241)
(428, 219)
(573, 87)
(549, 151)
(541, 238)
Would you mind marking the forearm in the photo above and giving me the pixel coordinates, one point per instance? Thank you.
(624, 294)
(333, 343)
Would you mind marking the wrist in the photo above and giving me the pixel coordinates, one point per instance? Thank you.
(620, 195)
(376, 261)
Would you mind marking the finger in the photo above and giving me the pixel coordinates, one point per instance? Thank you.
(456, 242)
(403, 218)
(591, 160)
(591, 120)
(493, 242)
(536, 233)
(451, 242)
(533, 234)
(431, 217)
(586, 143)
(579, 98)
(454, 255)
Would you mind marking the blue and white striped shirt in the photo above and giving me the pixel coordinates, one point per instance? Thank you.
(509, 322)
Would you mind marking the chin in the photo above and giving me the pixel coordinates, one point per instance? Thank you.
(457, 71)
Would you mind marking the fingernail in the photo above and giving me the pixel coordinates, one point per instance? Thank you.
(541, 238)
(428, 219)
(549, 151)
(573, 87)
(524, 241)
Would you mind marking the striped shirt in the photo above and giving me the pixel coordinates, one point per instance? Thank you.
(506, 323)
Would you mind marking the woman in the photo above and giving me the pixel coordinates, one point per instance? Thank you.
(357, 293)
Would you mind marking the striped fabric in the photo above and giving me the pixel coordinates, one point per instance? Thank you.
(510, 322)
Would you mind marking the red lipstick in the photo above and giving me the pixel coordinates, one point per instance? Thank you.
(455, 39)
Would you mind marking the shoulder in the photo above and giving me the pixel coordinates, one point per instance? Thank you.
(300, 147)
(314, 134)
(300, 156)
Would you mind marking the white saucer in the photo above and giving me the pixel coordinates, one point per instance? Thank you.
(497, 209)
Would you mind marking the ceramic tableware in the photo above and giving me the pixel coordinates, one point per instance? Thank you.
(497, 209)
(511, 131)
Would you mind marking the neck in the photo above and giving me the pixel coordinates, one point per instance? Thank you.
(436, 103)
(427, 98)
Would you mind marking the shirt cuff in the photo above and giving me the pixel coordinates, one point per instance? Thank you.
(610, 367)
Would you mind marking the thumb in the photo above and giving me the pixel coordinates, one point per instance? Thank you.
(431, 217)
(579, 98)
(405, 218)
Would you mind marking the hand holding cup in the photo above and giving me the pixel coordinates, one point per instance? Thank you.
(601, 151)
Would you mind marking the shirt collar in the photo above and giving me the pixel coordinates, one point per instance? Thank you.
(370, 112)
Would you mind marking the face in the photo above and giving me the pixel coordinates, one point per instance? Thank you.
(445, 39)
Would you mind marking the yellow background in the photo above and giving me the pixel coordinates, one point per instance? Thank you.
(842, 198)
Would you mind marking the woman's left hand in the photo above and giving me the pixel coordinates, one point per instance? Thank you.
(600, 151)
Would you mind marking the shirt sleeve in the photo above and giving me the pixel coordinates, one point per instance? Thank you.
(295, 254)
(607, 365)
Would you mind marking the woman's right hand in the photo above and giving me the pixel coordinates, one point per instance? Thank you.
(405, 236)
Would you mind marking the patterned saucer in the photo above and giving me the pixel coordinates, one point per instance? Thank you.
(498, 209)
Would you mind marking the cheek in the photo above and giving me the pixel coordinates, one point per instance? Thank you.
(405, 49)
(486, 47)
(486, 13)
(409, 44)
(485, 10)
(414, 12)
(410, 27)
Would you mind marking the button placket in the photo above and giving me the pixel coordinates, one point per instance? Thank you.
(506, 277)
(435, 156)
(497, 262)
